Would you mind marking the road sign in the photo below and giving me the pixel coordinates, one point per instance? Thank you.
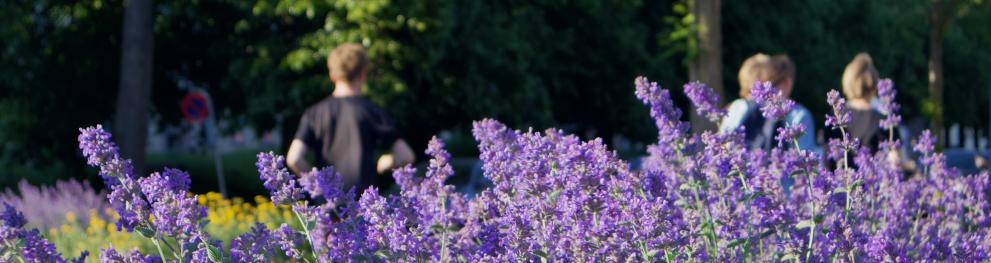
(195, 106)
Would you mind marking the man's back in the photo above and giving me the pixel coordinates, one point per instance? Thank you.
(345, 132)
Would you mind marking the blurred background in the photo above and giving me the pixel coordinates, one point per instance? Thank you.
(440, 64)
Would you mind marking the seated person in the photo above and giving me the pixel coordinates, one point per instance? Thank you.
(859, 87)
(760, 132)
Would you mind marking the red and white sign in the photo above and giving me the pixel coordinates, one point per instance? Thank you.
(195, 106)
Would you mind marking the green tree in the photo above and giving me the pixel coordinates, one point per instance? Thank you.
(59, 72)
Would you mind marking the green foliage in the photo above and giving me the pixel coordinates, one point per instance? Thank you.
(59, 73)
(968, 66)
(439, 64)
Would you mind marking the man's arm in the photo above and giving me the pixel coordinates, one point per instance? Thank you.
(401, 154)
(296, 158)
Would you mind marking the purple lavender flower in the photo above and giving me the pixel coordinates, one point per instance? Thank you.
(666, 115)
(886, 97)
(97, 145)
(37, 249)
(158, 185)
(340, 240)
(125, 196)
(110, 255)
(773, 104)
(129, 204)
(277, 179)
(387, 229)
(63, 197)
(788, 133)
(705, 99)
(926, 143)
(289, 240)
(324, 183)
(177, 214)
(254, 246)
(890, 121)
(925, 146)
(12, 222)
(840, 117)
(887, 105)
(102, 152)
(11, 217)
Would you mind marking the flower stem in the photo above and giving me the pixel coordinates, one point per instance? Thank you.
(159, 246)
(306, 230)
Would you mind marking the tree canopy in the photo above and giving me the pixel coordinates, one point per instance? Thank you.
(439, 64)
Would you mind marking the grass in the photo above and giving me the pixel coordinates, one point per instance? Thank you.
(239, 170)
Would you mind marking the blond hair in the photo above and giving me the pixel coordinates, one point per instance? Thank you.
(346, 62)
(749, 72)
(761, 67)
(860, 77)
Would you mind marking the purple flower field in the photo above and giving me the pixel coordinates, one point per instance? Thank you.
(697, 198)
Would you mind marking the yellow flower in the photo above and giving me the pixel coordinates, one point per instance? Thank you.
(70, 217)
(227, 219)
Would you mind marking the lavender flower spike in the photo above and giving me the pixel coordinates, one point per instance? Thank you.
(324, 182)
(886, 97)
(110, 255)
(11, 222)
(705, 99)
(840, 117)
(773, 104)
(789, 133)
(254, 246)
(666, 115)
(157, 185)
(289, 240)
(100, 151)
(37, 249)
(277, 179)
(926, 143)
(178, 214)
(887, 105)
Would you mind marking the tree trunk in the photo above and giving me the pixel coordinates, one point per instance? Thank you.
(131, 120)
(937, 25)
(707, 66)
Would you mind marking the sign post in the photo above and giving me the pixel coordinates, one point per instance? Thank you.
(197, 107)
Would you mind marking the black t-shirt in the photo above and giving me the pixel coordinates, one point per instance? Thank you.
(346, 132)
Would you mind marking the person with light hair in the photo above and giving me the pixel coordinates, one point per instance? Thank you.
(346, 130)
(860, 79)
(759, 131)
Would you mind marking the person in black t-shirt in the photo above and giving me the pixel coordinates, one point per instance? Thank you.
(345, 130)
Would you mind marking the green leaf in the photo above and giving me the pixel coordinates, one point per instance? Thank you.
(552, 197)
(856, 183)
(737, 242)
(750, 196)
(804, 224)
(540, 253)
(652, 253)
(145, 231)
(790, 257)
(214, 254)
